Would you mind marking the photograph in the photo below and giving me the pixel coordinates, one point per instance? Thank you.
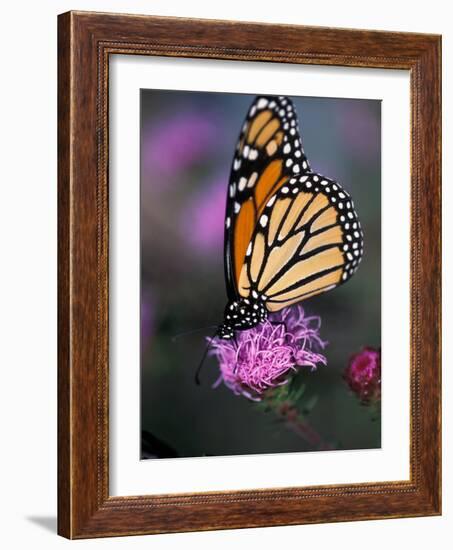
(224, 270)
(260, 265)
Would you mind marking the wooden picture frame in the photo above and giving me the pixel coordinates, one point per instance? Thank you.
(85, 42)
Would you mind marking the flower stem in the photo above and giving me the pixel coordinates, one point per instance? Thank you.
(303, 428)
(297, 422)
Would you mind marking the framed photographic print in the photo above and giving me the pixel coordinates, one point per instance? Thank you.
(249, 275)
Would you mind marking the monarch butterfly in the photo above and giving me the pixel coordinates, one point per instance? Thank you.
(290, 233)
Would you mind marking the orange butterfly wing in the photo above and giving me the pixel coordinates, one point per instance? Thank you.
(268, 153)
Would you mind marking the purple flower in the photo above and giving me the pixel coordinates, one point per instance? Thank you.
(178, 142)
(263, 357)
(203, 224)
(363, 375)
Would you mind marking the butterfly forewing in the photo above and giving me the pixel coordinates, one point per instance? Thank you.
(269, 152)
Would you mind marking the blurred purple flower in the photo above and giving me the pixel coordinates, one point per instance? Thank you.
(178, 142)
(203, 224)
(263, 357)
(363, 375)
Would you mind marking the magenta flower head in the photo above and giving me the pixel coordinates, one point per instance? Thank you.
(363, 375)
(263, 357)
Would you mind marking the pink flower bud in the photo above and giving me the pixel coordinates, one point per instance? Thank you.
(363, 375)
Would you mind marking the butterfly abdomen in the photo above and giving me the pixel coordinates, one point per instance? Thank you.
(242, 314)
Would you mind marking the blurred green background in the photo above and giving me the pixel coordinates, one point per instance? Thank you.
(187, 144)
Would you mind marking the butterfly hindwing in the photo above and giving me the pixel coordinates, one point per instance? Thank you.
(268, 153)
(307, 240)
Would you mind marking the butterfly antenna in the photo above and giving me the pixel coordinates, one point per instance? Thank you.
(205, 354)
(177, 336)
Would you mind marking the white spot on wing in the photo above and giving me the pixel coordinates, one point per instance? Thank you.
(263, 220)
(253, 154)
(271, 201)
(242, 183)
